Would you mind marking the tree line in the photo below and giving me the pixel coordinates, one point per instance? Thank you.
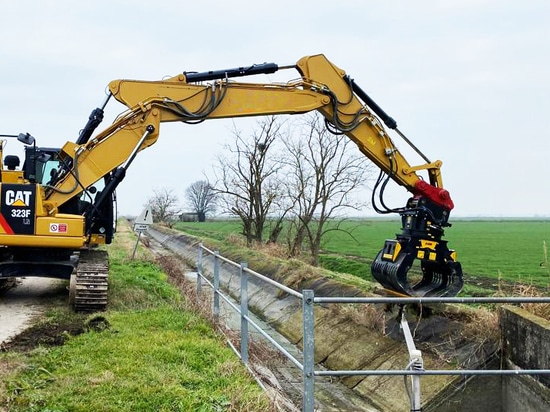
(284, 182)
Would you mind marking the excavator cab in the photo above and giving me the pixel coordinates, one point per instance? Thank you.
(420, 240)
(44, 165)
(40, 164)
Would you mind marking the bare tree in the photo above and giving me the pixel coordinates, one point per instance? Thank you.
(201, 197)
(325, 170)
(164, 205)
(247, 178)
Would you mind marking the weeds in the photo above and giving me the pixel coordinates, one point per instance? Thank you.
(481, 326)
(527, 291)
(368, 316)
(538, 309)
(544, 264)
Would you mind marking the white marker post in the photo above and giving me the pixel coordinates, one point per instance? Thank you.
(416, 363)
(142, 223)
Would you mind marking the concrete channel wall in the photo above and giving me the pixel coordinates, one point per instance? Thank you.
(342, 344)
(525, 345)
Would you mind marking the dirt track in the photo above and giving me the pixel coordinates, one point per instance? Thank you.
(19, 305)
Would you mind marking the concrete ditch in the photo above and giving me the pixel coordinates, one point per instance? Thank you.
(343, 343)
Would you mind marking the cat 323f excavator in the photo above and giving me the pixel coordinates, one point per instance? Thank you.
(60, 205)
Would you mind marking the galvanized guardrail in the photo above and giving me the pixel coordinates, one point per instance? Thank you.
(415, 367)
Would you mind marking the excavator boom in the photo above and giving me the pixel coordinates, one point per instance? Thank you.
(192, 98)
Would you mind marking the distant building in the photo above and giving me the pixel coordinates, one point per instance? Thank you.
(189, 217)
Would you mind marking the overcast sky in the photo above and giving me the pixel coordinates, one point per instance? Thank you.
(467, 80)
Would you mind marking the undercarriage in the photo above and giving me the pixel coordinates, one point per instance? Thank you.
(87, 272)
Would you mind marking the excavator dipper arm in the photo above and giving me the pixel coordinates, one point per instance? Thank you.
(323, 87)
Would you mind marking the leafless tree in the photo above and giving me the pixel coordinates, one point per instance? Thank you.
(201, 198)
(164, 205)
(247, 177)
(324, 171)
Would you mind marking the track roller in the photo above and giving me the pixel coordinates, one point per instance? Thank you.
(89, 282)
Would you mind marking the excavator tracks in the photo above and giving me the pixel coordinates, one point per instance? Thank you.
(89, 282)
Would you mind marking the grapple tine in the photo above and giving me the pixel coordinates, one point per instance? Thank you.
(446, 278)
(393, 275)
(438, 278)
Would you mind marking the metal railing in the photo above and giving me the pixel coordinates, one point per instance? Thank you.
(415, 367)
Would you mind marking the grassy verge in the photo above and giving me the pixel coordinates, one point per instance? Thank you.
(150, 353)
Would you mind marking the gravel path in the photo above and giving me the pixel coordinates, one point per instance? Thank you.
(19, 305)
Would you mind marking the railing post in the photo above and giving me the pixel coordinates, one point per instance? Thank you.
(309, 351)
(244, 313)
(216, 307)
(415, 363)
(199, 271)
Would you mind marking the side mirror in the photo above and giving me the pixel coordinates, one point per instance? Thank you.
(43, 157)
(25, 138)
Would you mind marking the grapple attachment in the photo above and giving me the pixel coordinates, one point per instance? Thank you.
(440, 274)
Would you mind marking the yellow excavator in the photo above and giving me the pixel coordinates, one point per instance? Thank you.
(60, 205)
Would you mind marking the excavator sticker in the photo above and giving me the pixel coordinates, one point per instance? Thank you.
(18, 208)
(58, 228)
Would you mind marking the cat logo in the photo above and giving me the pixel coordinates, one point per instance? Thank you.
(17, 208)
(21, 198)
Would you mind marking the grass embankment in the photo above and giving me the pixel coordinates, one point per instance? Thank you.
(510, 250)
(150, 354)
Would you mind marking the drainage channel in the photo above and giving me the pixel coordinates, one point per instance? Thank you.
(282, 377)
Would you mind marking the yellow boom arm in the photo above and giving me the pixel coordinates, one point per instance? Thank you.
(323, 87)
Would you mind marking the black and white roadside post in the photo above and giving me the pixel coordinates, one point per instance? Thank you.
(141, 224)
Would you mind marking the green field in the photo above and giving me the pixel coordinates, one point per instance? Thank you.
(512, 249)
